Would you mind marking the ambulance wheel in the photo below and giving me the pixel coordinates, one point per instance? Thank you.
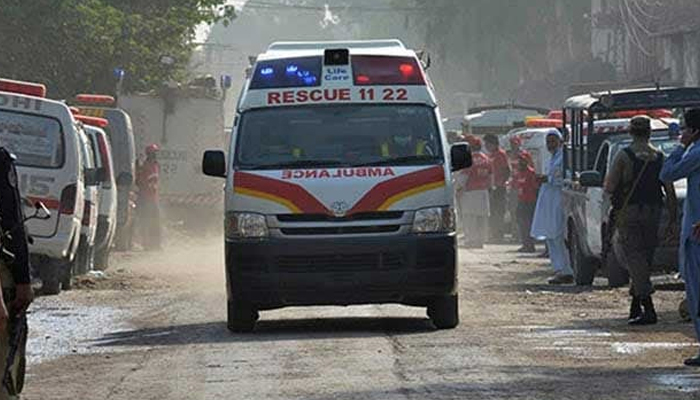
(444, 312)
(102, 259)
(50, 279)
(241, 317)
(584, 270)
(67, 276)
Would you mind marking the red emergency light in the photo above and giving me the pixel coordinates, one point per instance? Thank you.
(74, 110)
(386, 70)
(20, 87)
(555, 114)
(543, 123)
(94, 121)
(99, 99)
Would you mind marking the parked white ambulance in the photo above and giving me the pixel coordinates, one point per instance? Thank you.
(338, 187)
(107, 195)
(42, 134)
(85, 258)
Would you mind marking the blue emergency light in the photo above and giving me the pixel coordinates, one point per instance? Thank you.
(287, 73)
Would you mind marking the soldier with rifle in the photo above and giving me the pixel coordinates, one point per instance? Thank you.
(17, 293)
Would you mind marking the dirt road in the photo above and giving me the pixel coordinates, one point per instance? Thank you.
(155, 330)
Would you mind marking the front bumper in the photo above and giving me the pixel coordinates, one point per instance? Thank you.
(275, 273)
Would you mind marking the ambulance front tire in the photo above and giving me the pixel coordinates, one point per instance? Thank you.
(51, 278)
(102, 259)
(444, 312)
(241, 316)
(67, 276)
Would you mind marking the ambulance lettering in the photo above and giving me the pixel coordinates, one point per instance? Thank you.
(20, 102)
(309, 96)
(35, 185)
(378, 172)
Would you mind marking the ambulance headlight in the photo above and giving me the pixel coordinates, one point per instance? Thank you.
(246, 225)
(434, 220)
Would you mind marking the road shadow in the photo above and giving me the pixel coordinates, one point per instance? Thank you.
(268, 331)
(542, 383)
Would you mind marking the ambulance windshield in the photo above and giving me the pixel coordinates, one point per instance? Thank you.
(338, 136)
(36, 141)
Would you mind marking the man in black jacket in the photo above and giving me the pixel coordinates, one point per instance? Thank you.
(638, 198)
(17, 292)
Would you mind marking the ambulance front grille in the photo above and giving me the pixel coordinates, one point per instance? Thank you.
(340, 230)
(368, 216)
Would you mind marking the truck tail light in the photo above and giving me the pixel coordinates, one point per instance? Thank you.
(106, 157)
(68, 199)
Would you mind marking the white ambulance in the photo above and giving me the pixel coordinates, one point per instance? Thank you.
(42, 134)
(338, 187)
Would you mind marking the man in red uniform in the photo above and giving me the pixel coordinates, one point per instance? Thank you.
(514, 154)
(148, 182)
(527, 186)
(473, 196)
(497, 194)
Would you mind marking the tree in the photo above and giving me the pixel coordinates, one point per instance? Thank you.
(75, 45)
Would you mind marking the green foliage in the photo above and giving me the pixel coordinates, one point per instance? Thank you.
(75, 45)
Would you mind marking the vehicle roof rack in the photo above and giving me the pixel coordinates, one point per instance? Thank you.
(635, 99)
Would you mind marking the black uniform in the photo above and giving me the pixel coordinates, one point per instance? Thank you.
(11, 218)
(14, 269)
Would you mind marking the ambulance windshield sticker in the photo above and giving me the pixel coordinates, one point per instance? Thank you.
(35, 140)
(336, 74)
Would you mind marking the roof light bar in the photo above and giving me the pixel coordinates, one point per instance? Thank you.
(93, 121)
(20, 87)
(100, 99)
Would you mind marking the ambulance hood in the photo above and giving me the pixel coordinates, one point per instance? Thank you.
(340, 192)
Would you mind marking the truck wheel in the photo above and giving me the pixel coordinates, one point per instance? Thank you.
(241, 317)
(617, 276)
(683, 311)
(444, 312)
(50, 279)
(584, 270)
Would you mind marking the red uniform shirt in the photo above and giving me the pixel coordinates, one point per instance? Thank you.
(514, 159)
(501, 168)
(527, 185)
(480, 175)
(148, 180)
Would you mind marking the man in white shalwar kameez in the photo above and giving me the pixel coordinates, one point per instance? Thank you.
(548, 223)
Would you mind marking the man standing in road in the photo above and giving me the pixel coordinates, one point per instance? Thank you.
(497, 194)
(148, 182)
(17, 292)
(637, 198)
(473, 196)
(684, 163)
(526, 185)
(548, 222)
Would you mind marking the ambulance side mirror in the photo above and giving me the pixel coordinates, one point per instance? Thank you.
(590, 179)
(461, 156)
(214, 163)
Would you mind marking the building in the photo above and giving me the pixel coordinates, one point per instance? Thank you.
(648, 42)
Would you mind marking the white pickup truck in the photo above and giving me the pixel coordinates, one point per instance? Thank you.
(587, 210)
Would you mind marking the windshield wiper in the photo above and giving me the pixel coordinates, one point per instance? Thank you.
(298, 164)
(401, 161)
